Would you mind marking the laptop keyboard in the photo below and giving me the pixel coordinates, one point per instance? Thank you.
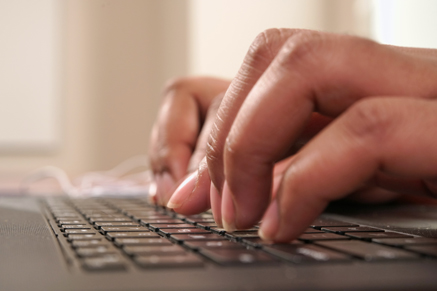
(118, 234)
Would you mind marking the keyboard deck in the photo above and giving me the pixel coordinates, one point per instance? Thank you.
(111, 234)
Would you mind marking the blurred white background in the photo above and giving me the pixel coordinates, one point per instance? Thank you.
(80, 80)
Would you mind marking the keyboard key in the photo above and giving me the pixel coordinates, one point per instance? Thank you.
(368, 251)
(115, 224)
(323, 222)
(305, 253)
(224, 244)
(199, 220)
(141, 241)
(161, 221)
(75, 226)
(79, 231)
(154, 250)
(310, 237)
(107, 229)
(66, 222)
(344, 229)
(72, 237)
(188, 237)
(372, 235)
(110, 219)
(157, 227)
(237, 256)
(106, 263)
(154, 261)
(400, 242)
(84, 252)
(242, 235)
(149, 234)
(89, 243)
(171, 231)
(259, 243)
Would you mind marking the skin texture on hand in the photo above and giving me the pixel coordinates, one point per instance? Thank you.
(181, 130)
(366, 110)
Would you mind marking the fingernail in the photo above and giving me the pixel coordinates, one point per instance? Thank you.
(270, 222)
(183, 192)
(228, 209)
(216, 205)
(165, 186)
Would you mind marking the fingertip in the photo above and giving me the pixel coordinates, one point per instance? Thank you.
(228, 210)
(183, 192)
(165, 185)
(270, 222)
(216, 205)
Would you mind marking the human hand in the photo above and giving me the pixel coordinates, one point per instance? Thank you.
(181, 130)
(381, 100)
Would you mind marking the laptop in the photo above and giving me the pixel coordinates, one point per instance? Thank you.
(125, 243)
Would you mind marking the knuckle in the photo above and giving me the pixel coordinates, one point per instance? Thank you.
(371, 119)
(266, 44)
(303, 47)
(213, 153)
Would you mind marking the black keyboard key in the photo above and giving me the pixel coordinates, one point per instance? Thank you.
(149, 234)
(85, 252)
(161, 221)
(373, 235)
(324, 222)
(224, 244)
(107, 229)
(259, 243)
(157, 227)
(89, 243)
(199, 220)
(310, 237)
(344, 229)
(368, 251)
(154, 250)
(237, 256)
(305, 253)
(400, 242)
(79, 231)
(72, 237)
(186, 237)
(154, 261)
(242, 234)
(171, 231)
(75, 226)
(107, 263)
(141, 241)
(66, 222)
(115, 224)
(110, 219)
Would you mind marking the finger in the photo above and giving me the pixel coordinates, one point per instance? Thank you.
(312, 72)
(378, 134)
(261, 53)
(192, 195)
(258, 58)
(200, 149)
(373, 195)
(175, 132)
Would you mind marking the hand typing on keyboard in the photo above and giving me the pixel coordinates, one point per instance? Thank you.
(375, 104)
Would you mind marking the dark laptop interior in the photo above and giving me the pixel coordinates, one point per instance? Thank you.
(129, 244)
